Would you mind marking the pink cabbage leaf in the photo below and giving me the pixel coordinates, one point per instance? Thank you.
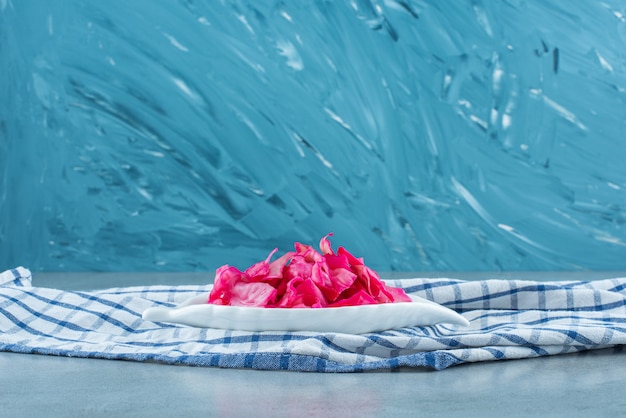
(304, 278)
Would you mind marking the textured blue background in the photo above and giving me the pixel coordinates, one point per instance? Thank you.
(427, 135)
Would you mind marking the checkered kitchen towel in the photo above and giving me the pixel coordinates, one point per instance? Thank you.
(508, 320)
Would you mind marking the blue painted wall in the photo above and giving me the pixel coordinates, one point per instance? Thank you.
(427, 135)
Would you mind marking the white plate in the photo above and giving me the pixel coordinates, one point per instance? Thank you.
(196, 312)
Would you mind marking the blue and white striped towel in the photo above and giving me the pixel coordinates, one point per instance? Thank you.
(508, 320)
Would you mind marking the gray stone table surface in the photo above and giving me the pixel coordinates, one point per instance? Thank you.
(588, 384)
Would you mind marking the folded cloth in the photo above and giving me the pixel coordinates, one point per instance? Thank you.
(508, 320)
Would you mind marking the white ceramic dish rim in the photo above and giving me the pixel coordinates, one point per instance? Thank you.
(196, 312)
